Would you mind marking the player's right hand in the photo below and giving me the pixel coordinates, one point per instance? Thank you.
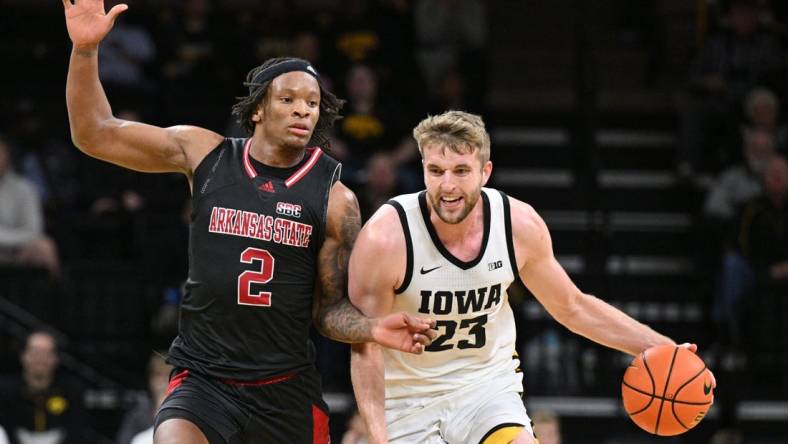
(87, 23)
(404, 332)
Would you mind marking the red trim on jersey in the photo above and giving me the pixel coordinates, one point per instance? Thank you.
(319, 426)
(298, 175)
(248, 164)
(259, 382)
(175, 382)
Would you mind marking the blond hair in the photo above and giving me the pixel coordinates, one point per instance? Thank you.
(458, 131)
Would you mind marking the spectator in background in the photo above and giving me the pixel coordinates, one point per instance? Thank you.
(40, 406)
(763, 242)
(124, 55)
(732, 62)
(190, 59)
(764, 225)
(735, 186)
(380, 184)
(137, 424)
(372, 125)
(22, 240)
(354, 38)
(452, 34)
(741, 182)
(763, 111)
(547, 427)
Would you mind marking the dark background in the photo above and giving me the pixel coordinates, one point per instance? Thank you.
(591, 106)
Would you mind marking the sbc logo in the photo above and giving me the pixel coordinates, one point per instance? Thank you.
(288, 209)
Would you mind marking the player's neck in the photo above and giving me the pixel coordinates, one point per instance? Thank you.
(275, 155)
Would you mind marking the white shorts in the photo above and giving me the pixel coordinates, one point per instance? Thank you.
(461, 417)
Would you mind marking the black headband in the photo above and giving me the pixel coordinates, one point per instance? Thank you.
(272, 72)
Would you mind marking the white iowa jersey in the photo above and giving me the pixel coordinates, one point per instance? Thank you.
(476, 332)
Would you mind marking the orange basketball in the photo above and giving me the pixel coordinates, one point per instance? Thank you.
(667, 390)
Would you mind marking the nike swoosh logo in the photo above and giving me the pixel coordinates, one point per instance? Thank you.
(706, 388)
(423, 271)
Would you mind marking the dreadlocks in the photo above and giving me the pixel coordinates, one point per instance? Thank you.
(330, 105)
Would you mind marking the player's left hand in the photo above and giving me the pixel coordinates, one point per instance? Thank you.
(404, 332)
(694, 349)
(689, 346)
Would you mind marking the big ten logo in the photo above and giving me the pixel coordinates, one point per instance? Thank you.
(288, 209)
(494, 265)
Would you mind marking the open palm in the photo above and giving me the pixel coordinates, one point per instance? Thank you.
(86, 21)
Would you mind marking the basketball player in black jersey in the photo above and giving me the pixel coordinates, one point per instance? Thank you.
(271, 233)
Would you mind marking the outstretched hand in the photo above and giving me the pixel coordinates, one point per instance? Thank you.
(404, 332)
(87, 23)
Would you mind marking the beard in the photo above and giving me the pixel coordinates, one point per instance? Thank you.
(455, 216)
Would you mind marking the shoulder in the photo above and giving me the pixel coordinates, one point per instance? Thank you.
(194, 137)
(195, 142)
(383, 231)
(341, 195)
(343, 217)
(525, 219)
(529, 231)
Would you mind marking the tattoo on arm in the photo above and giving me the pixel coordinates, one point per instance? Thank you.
(337, 318)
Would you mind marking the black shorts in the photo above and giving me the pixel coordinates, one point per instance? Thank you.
(284, 409)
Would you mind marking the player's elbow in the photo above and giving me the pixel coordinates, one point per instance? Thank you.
(90, 138)
(568, 313)
(87, 141)
(81, 139)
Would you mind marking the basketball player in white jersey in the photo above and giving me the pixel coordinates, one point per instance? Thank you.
(451, 252)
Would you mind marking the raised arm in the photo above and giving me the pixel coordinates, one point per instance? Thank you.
(95, 131)
(335, 316)
(581, 313)
(377, 267)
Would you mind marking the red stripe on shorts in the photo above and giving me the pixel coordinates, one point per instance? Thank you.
(176, 381)
(319, 426)
(259, 382)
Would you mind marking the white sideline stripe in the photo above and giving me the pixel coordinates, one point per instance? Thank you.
(623, 138)
(649, 311)
(649, 221)
(610, 137)
(762, 410)
(619, 220)
(571, 406)
(572, 263)
(640, 265)
(602, 407)
(632, 265)
(636, 179)
(551, 178)
(530, 136)
(339, 402)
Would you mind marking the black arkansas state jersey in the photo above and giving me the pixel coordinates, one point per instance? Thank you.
(253, 255)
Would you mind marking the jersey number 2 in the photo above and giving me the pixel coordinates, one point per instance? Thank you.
(263, 275)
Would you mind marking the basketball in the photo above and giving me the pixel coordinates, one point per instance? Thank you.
(667, 390)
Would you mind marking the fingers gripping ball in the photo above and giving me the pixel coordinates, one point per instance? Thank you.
(667, 390)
